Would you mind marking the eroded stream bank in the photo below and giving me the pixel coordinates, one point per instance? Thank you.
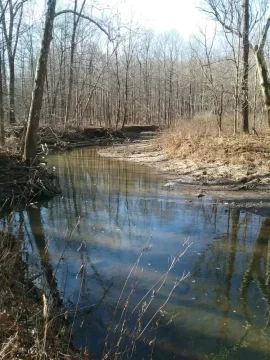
(106, 214)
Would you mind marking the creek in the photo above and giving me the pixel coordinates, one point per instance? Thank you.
(109, 210)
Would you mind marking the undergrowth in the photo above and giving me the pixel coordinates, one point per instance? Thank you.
(199, 140)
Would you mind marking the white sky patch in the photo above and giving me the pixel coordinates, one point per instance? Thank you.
(181, 15)
(161, 15)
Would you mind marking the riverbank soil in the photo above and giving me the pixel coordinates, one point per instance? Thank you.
(223, 162)
(236, 168)
(73, 138)
(24, 331)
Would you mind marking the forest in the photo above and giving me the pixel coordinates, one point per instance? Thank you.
(73, 224)
(94, 69)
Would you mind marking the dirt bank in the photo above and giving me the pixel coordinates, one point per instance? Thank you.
(194, 171)
(246, 185)
(63, 140)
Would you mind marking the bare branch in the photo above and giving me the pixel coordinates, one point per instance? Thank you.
(84, 17)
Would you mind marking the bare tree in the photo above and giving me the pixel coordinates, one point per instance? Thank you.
(11, 31)
(263, 69)
(30, 148)
(225, 12)
(2, 120)
(76, 19)
(245, 61)
(207, 60)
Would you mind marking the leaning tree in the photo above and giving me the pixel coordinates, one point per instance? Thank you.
(31, 138)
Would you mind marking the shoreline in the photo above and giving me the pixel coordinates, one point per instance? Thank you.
(21, 184)
(237, 190)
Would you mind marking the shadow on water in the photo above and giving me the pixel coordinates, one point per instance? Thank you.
(106, 215)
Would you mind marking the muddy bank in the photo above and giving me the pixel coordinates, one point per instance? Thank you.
(242, 185)
(20, 183)
(70, 139)
(73, 139)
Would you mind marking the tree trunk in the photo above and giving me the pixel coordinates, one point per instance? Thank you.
(264, 81)
(2, 124)
(11, 31)
(71, 65)
(30, 149)
(255, 100)
(245, 43)
(125, 120)
(12, 119)
(70, 80)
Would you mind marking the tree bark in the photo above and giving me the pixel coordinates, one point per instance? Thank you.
(30, 148)
(2, 124)
(264, 81)
(12, 119)
(76, 19)
(263, 69)
(11, 30)
(245, 44)
(70, 80)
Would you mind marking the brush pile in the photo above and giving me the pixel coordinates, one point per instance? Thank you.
(20, 183)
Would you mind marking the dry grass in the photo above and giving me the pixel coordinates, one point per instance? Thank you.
(193, 152)
(133, 322)
(197, 141)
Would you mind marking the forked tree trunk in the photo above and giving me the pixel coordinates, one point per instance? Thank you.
(30, 148)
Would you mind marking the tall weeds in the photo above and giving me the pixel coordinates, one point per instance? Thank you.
(145, 317)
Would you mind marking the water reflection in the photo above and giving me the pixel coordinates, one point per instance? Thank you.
(107, 213)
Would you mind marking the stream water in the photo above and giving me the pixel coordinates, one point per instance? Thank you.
(108, 212)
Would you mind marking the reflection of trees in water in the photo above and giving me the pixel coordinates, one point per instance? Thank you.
(258, 271)
(236, 268)
(36, 229)
(109, 189)
(110, 195)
